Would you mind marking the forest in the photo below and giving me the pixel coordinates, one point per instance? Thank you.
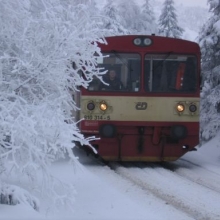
(38, 42)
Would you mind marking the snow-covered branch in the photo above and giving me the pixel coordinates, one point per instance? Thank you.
(39, 42)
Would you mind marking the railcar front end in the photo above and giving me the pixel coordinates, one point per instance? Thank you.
(154, 115)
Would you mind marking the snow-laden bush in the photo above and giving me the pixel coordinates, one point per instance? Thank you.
(13, 195)
(39, 42)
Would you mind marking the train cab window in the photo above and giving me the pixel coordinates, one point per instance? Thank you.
(170, 73)
(123, 73)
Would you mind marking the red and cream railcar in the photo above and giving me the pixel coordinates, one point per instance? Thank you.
(154, 115)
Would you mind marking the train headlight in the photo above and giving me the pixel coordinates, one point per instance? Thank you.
(180, 108)
(103, 106)
(91, 106)
(137, 41)
(140, 41)
(147, 41)
(193, 108)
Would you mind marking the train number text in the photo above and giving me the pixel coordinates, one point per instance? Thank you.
(97, 117)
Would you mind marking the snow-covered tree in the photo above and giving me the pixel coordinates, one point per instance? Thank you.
(192, 18)
(112, 20)
(39, 41)
(168, 24)
(131, 16)
(148, 20)
(209, 39)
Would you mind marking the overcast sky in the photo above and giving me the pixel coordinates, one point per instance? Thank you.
(202, 3)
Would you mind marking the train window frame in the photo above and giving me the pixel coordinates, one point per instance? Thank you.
(128, 69)
(175, 82)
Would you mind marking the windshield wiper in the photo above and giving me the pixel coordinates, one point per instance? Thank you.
(160, 63)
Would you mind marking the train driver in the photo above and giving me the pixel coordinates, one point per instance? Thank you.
(113, 81)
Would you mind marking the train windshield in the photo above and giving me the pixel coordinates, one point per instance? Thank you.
(123, 74)
(170, 73)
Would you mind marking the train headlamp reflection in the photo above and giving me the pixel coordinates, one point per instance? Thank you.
(103, 106)
(180, 107)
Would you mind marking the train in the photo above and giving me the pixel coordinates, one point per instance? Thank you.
(151, 112)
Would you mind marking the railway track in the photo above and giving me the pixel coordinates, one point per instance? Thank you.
(192, 172)
(173, 187)
(184, 186)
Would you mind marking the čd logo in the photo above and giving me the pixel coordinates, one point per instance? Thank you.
(141, 106)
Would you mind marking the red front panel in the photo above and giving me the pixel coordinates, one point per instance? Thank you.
(129, 145)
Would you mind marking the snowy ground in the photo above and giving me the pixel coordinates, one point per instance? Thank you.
(186, 189)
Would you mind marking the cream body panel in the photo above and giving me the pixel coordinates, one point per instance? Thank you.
(161, 109)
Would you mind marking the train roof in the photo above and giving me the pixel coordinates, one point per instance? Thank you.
(158, 43)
